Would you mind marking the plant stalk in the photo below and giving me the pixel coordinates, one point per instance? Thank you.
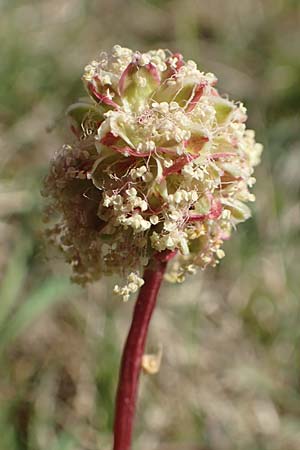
(133, 352)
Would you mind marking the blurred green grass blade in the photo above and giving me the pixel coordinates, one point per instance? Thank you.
(45, 296)
(13, 279)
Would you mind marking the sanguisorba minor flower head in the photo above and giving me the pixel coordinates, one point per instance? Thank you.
(160, 164)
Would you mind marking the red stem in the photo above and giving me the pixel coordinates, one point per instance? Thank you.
(133, 353)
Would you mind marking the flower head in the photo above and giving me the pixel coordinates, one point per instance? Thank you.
(160, 164)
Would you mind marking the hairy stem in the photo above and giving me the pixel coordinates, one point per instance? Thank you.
(133, 353)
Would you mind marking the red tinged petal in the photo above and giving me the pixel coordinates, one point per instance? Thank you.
(153, 72)
(101, 97)
(130, 88)
(178, 164)
(125, 77)
(214, 213)
(196, 97)
(171, 70)
(186, 92)
(196, 217)
(196, 143)
(129, 151)
(216, 156)
(167, 151)
(216, 210)
(109, 139)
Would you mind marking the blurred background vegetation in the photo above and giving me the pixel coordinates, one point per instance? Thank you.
(230, 375)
